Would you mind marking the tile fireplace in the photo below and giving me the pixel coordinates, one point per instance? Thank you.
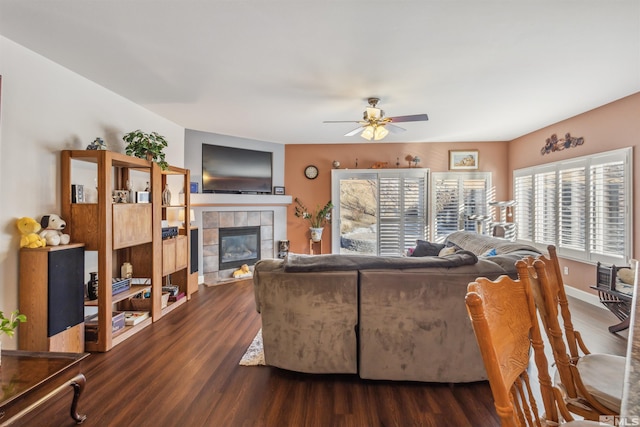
(238, 246)
(233, 238)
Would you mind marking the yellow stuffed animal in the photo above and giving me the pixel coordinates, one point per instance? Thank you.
(29, 228)
(243, 271)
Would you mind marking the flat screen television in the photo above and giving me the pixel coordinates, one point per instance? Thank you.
(235, 170)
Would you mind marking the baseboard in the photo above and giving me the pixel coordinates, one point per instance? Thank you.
(583, 296)
(200, 280)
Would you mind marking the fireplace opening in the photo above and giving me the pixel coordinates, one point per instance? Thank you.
(238, 245)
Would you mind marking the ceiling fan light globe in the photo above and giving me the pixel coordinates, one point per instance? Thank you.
(380, 133)
(368, 133)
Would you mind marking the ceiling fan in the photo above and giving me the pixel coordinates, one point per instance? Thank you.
(374, 125)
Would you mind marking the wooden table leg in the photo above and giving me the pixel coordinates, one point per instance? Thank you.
(78, 383)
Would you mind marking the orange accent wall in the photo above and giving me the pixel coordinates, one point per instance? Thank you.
(609, 127)
(493, 157)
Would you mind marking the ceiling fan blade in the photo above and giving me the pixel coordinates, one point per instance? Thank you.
(341, 121)
(394, 128)
(412, 118)
(355, 131)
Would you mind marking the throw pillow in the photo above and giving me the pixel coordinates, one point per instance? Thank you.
(490, 252)
(425, 248)
(449, 250)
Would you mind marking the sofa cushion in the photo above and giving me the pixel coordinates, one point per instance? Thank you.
(336, 262)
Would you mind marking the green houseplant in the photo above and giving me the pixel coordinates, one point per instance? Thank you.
(317, 219)
(9, 324)
(148, 146)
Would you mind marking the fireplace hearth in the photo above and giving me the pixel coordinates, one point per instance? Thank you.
(238, 246)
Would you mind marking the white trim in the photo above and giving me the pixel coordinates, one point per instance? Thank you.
(583, 296)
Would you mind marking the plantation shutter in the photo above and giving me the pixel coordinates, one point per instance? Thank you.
(474, 196)
(458, 196)
(581, 205)
(572, 208)
(415, 211)
(446, 209)
(607, 209)
(545, 208)
(402, 212)
(524, 203)
(389, 221)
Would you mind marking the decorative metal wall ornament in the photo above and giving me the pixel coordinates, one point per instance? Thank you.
(555, 144)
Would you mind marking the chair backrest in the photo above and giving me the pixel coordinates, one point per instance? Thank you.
(573, 338)
(541, 276)
(505, 324)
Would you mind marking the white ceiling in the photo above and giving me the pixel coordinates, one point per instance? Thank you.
(274, 70)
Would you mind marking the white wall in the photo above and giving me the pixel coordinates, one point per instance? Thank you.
(46, 108)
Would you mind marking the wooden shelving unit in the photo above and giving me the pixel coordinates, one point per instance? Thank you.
(125, 232)
(177, 250)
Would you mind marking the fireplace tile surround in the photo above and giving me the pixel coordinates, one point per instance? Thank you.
(215, 211)
(212, 221)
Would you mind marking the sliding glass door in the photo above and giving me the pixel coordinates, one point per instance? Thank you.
(379, 212)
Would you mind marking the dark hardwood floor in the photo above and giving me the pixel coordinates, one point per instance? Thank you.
(183, 371)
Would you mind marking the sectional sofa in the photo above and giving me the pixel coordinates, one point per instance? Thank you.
(381, 318)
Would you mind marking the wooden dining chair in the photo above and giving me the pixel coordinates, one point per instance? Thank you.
(573, 337)
(591, 383)
(505, 324)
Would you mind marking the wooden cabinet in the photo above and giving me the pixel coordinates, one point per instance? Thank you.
(175, 254)
(123, 232)
(51, 296)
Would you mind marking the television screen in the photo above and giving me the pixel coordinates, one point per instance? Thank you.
(235, 170)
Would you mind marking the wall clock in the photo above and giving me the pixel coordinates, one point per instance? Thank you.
(311, 172)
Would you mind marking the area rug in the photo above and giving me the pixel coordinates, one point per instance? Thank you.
(254, 356)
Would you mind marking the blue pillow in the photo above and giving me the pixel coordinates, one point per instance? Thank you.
(491, 252)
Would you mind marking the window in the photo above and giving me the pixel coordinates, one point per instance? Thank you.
(457, 196)
(581, 206)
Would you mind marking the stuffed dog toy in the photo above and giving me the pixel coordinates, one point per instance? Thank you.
(52, 225)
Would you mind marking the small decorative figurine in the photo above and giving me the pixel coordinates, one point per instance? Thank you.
(97, 144)
(166, 195)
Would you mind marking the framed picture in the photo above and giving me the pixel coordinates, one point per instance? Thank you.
(77, 193)
(142, 197)
(278, 190)
(463, 159)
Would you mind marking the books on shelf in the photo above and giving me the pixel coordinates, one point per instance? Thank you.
(132, 318)
(174, 298)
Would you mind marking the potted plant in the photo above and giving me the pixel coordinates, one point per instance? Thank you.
(148, 146)
(317, 219)
(9, 324)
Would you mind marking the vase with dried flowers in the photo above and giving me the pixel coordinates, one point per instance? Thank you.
(317, 219)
